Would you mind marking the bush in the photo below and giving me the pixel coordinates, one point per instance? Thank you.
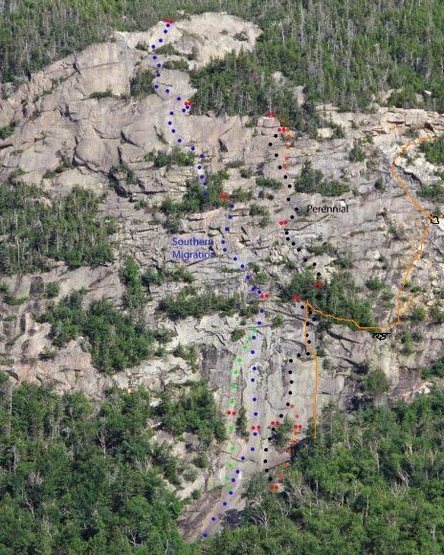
(436, 370)
(258, 210)
(282, 434)
(191, 303)
(67, 229)
(131, 277)
(356, 154)
(312, 181)
(142, 83)
(7, 131)
(277, 321)
(374, 284)
(241, 195)
(101, 94)
(176, 158)
(339, 296)
(115, 341)
(268, 183)
(418, 314)
(52, 289)
(237, 334)
(245, 173)
(433, 192)
(192, 410)
(196, 198)
(434, 151)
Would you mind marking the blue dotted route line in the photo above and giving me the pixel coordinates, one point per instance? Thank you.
(184, 109)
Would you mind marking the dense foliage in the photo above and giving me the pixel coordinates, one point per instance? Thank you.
(372, 484)
(342, 51)
(176, 157)
(74, 479)
(190, 302)
(193, 410)
(35, 232)
(434, 151)
(198, 198)
(116, 340)
(339, 296)
(313, 181)
(79, 478)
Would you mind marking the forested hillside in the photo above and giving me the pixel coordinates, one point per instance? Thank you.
(372, 484)
(77, 477)
(343, 51)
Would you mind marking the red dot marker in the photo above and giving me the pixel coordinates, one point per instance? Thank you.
(296, 298)
(224, 196)
(318, 284)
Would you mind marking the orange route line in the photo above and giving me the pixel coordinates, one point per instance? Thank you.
(407, 273)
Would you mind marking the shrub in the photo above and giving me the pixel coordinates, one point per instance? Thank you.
(436, 370)
(312, 181)
(268, 183)
(418, 314)
(7, 131)
(339, 296)
(282, 434)
(195, 199)
(242, 423)
(142, 83)
(237, 334)
(193, 409)
(191, 303)
(356, 154)
(176, 158)
(52, 289)
(374, 284)
(433, 192)
(258, 210)
(379, 184)
(116, 341)
(434, 151)
(376, 383)
(67, 229)
(277, 321)
(101, 94)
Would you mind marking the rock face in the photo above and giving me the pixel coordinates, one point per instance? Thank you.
(78, 117)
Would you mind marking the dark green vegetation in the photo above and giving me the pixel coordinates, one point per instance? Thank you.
(190, 302)
(436, 370)
(176, 158)
(7, 131)
(80, 479)
(434, 151)
(190, 407)
(342, 51)
(434, 192)
(373, 484)
(268, 183)
(142, 83)
(195, 198)
(339, 296)
(115, 339)
(313, 181)
(37, 232)
(76, 478)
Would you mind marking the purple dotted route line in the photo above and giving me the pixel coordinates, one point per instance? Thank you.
(233, 471)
